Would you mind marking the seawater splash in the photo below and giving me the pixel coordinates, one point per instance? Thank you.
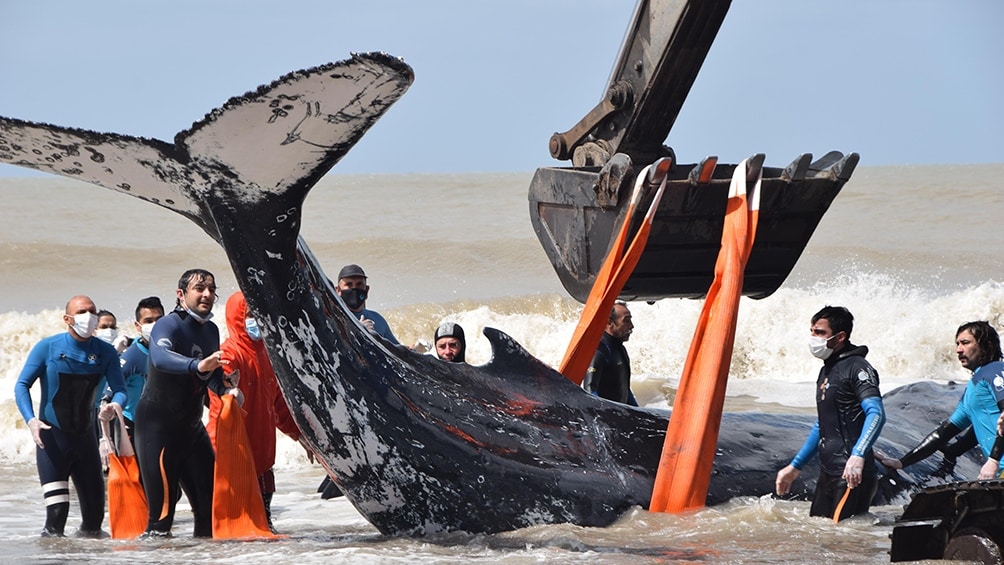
(909, 329)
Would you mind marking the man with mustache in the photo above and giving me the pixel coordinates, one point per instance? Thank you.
(172, 446)
(978, 347)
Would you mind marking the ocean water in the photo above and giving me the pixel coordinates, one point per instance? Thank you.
(912, 251)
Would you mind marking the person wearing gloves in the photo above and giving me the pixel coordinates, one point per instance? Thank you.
(978, 347)
(70, 366)
(248, 365)
(850, 416)
(172, 446)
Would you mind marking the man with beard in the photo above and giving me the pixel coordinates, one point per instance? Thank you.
(609, 375)
(172, 446)
(850, 416)
(978, 348)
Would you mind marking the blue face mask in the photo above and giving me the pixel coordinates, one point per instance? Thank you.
(252, 327)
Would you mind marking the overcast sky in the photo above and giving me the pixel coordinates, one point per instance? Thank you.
(898, 82)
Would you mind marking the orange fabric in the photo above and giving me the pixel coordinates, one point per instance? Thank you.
(263, 403)
(840, 505)
(616, 270)
(238, 508)
(688, 454)
(127, 509)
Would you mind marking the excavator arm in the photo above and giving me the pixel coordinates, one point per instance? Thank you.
(663, 51)
(575, 210)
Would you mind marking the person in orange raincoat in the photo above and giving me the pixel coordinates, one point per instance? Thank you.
(264, 406)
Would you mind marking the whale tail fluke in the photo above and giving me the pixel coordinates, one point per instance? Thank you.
(275, 141)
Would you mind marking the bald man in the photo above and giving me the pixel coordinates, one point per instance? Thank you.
(70, 365)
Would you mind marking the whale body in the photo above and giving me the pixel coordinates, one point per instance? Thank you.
(417, 445)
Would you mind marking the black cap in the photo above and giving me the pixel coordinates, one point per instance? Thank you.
(450, 329)
(351, 271)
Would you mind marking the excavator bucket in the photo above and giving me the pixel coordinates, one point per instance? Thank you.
(575, 224)
(574, 210)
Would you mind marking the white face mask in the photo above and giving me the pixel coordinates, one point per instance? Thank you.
(84, 324)
(198, 318)
(106, 335)
(817, 346)
(145, 330)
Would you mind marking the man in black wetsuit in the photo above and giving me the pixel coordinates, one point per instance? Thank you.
(609, 375)
(850, 417)
(172, 445)
(450, 343)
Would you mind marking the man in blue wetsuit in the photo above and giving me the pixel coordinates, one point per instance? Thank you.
(850, 417)
(135, 359)
(172, 446)
(353, 289)
(978, 348)
(70, 366)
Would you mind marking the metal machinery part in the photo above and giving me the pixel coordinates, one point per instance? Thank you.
(962, 521)
(575, 210)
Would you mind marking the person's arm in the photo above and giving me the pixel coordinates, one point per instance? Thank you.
(116, 382)
(380, 326)
(34, 367)
(787, 475)
(874, 420)
(162, 355)
(809, 448)
(991, 468)
(934, 440)
(594, 374)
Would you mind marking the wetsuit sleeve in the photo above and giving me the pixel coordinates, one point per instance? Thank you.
(809, 448)
(162, 355)
(34, 367)
(998, 449)
(938, 438)
(380, 326)
(874, 420)
(963, 443)
(594, 374)
(866, 381)
(113, 376)
(214, 382)
(106, 394)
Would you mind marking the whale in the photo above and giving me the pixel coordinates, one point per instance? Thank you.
(419, 446)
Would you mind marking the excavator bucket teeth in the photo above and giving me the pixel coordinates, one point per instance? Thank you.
(576, 231)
